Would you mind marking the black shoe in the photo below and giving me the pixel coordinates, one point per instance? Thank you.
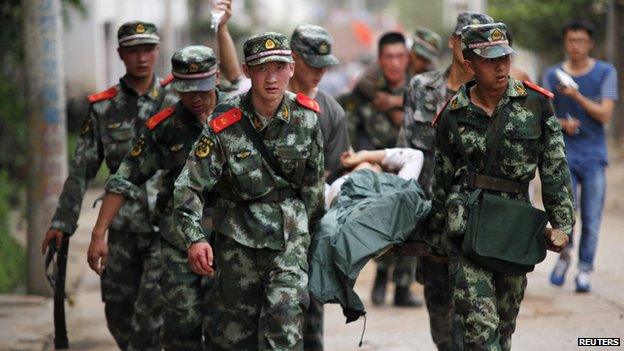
(379, 288)
(404, 298)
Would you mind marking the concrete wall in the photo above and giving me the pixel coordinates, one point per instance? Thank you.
(90, 41)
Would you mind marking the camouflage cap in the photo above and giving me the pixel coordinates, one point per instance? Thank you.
(137, 33)
(314, 44)
(467, 18)
(486, 40)
(194, 68)
(426, 43)
(267, 47)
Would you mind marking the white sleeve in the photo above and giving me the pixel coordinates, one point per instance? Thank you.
(405, 161)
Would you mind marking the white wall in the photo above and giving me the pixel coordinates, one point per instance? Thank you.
(91, 61)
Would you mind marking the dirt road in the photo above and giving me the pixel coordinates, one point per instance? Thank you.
(550, 318)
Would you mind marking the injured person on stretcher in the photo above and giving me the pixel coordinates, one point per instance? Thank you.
(370, 210)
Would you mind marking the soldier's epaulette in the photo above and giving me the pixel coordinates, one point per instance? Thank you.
(155, 120)
(103, 95)
(308, 102)
(539, 89)
(167, 80)
(435, 120)
(226, 119)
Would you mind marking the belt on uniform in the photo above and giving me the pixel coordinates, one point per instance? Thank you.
(276, 195)
(480, 181)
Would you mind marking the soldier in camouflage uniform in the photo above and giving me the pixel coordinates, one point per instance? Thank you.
(375, 113)
(311, 47)
(165, 145)
(130, 288)
(425, 50)
(487, 301)
(425, 96)
(262, 152)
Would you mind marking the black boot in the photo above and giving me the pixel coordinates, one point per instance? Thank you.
(404, 298)
(379, 288)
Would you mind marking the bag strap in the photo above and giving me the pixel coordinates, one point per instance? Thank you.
(252, 134)
(498, 124)
(462, 150)
(492, 147)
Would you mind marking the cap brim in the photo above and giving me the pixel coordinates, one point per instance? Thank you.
(279, 58)
(190, 85)
(320, 61)
(424, 52)
(494, 51)
(140, 41)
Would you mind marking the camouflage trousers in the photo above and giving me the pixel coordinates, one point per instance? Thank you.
(403, 268)
(261, 295)
(313, 326)
(184, 296)
(434, 277)
(131, 290)
(487, 303)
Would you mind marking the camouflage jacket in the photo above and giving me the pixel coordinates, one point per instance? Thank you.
(164, 145)
(370, 128)
(424, 97)
(114, 118)
(531, 141)
(225, 159)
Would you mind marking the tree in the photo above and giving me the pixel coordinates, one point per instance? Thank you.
(536, 24)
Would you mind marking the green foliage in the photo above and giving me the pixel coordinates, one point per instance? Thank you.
(12, 255)
(13, 137)
(537, 24)
(425, 13)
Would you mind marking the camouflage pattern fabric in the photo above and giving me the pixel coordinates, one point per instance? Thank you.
(434, 276)
(137, 33)
(426, 43)
(261, 247)
(486, 40)
(314, 43)
(194, 68)
(369, 128)
(265, 294)
(532, 140)
(166, 148)
(313, 326)
(106, 136)
(425, 96)
(467, 18)
(491, 299)
(184, 296)
(267, 47)
(131, 290)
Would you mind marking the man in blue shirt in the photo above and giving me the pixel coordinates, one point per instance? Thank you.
(583, 107)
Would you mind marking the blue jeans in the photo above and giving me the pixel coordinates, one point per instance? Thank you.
(589, 174)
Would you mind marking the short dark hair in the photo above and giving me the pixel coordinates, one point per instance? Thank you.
(468, 54)
(580, 24)
(388, 39)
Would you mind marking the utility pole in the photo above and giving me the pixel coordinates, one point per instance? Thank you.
(47, 156)
(615, 35)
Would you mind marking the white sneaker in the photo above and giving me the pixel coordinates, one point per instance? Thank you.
(582, 282)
